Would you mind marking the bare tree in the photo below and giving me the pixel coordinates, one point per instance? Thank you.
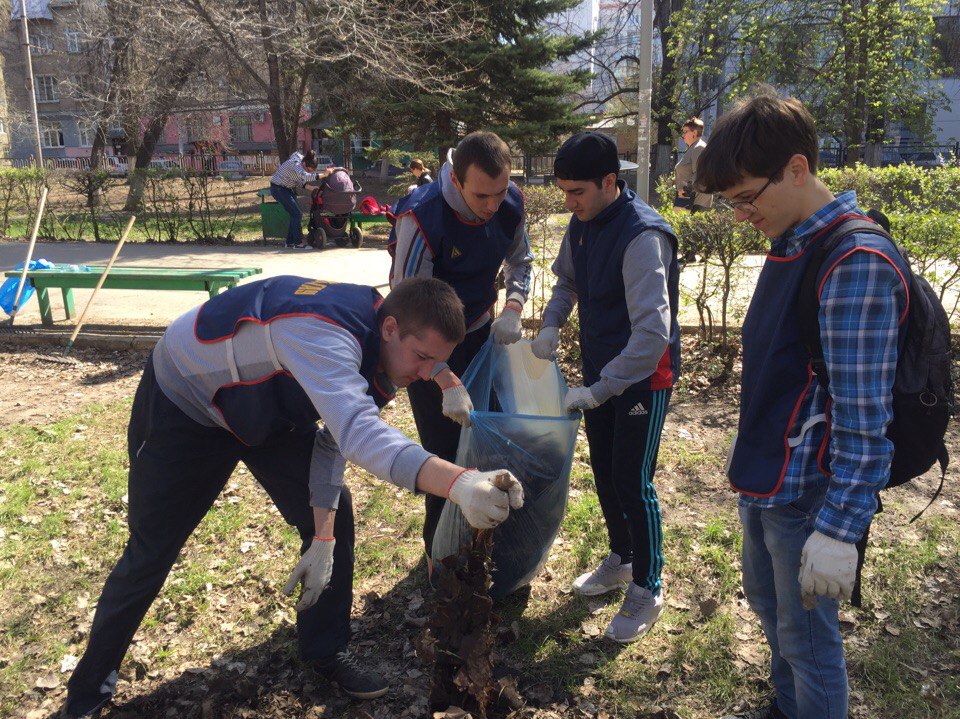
(277, 45)
(134, 70)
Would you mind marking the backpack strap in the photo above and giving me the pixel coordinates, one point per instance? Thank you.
(808, 303)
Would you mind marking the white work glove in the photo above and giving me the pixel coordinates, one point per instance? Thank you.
(483, 505)
(506, 328)
(546, 343)
(827, 567)
(457, 404)
(579, 398)
(315, 569)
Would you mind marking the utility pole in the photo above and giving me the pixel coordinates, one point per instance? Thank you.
(645, 97)
(30, 81)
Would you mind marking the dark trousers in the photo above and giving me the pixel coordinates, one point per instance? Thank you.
(177, 469)
(624, 438)
(438, 434)
(288, 198)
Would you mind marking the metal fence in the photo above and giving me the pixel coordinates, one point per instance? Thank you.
(258, 164)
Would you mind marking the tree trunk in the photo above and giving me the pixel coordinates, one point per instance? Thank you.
(854, 70)
(666, 94)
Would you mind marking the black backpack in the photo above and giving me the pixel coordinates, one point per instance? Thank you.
(922, 388)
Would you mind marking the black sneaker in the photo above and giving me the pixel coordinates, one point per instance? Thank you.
(346, 671)
(771, 711)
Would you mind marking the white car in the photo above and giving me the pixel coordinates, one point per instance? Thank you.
(164, 164)
(324, 161)
(232, 170)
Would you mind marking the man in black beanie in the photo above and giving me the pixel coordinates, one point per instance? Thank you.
(618, 262)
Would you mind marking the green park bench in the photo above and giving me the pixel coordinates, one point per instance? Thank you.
(206, 279)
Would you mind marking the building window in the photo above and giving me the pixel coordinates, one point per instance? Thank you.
(73, 41)
(241, 129)
(196, 131)
(51, 134)
(87, 132)
(41, 44)
(946, 39)
(47, 90)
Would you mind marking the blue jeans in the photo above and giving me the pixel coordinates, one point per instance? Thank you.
(807, 666)
(288, 198)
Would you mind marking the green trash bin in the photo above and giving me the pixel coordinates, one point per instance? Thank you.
(274, 220)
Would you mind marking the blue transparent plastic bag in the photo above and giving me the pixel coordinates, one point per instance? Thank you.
(519, 425)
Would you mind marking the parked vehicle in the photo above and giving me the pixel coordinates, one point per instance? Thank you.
(165, 165)
(324, 161)
(115, 165)
(890, 156)
(232, 170)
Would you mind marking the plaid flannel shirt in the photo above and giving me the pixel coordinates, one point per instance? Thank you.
(861, 304)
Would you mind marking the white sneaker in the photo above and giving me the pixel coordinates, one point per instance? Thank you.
(610, 575)
(640, 611)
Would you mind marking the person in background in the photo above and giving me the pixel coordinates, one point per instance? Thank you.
(292, 176)
(685, 173)
(420, 171)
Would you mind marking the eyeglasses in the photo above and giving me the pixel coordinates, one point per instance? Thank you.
(746, 206)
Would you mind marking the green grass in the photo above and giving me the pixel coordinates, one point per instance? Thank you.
(62, 513)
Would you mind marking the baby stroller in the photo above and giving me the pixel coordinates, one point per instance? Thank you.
(330, 207)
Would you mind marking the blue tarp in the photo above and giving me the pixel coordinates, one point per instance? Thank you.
(8, 290)
(518, 424)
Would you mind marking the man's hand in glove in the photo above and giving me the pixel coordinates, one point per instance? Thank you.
(827, 567)
(484, 505)
(579, 398)
(315, 569)
(456, 400)
(506, 328)
(546, 343)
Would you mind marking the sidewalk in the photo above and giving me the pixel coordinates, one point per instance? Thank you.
(369, 266)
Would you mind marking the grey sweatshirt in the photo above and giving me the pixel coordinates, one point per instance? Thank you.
(325, 360)
(686, 173)
(645, 263)
(413, 258)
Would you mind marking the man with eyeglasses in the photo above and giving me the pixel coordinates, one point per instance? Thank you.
(808, 465)
(618, 264)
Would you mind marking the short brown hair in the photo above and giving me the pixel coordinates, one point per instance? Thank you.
(425, 302)
(695, 124)
(757, 137)
(484, 149)
(416, 164)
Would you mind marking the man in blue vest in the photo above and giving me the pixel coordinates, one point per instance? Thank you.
(808, 464)
(463, 229)
(618, 263)
(245, 377)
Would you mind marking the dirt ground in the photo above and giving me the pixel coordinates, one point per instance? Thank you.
(38, 386)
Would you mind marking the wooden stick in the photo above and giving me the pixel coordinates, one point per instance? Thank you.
(106, 270)
(26, 263)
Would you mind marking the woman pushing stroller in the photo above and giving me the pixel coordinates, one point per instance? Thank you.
(293, 175)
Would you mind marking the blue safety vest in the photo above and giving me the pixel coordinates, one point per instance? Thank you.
(778, 382)
(466, 255)
(256, 409)
(598, 247)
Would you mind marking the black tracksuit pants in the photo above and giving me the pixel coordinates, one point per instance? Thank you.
(624, 438)
(438, 434)
(177, 469)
